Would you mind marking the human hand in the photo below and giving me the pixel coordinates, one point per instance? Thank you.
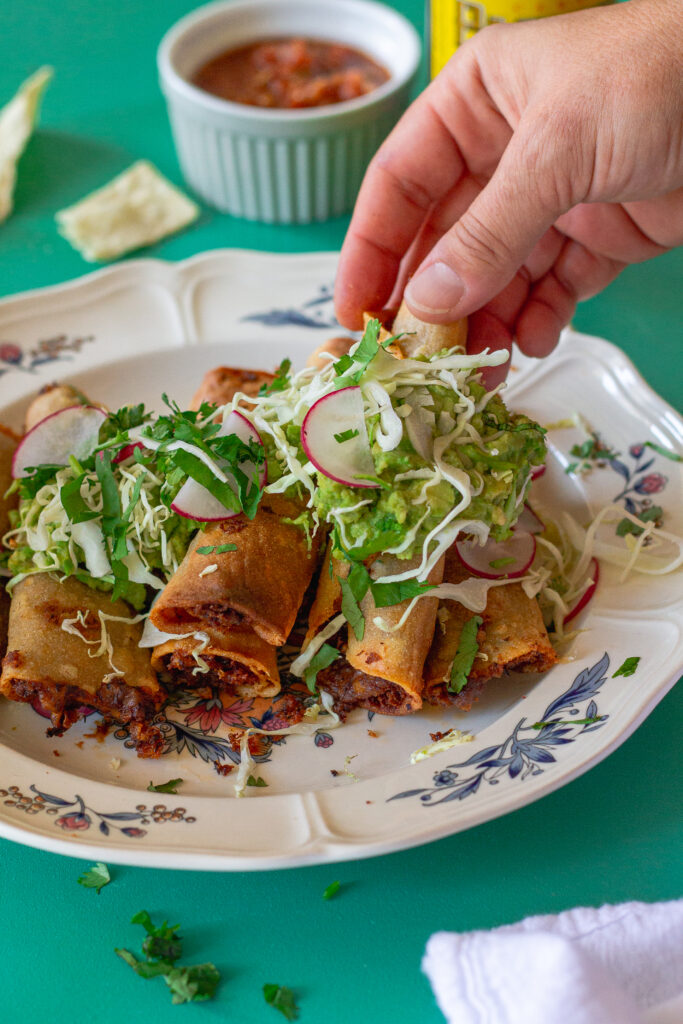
(543, 159)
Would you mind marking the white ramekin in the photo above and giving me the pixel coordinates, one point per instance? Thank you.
(283, 166)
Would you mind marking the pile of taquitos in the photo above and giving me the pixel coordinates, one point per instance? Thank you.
(233, 598)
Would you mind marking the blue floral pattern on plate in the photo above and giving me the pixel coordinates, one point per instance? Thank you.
(527, 750)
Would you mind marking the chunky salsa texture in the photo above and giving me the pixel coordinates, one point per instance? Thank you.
(290, 74)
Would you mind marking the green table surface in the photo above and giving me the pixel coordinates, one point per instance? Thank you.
(614, 834)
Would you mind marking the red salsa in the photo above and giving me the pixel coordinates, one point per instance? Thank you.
(290, 73)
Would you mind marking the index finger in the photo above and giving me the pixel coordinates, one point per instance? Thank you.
(411, 171)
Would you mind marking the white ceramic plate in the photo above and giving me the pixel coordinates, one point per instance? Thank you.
(125, 334)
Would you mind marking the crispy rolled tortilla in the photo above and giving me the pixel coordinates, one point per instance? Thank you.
(336, 347)
(46, 665)
(8, 444)
(221, 384)
(51, 399)
(259, 585)
(328, 597)
(423, 339)
(238, 661)
(512, 638)
(419, 338)
(384, 671)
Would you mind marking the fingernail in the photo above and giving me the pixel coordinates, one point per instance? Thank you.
(436, 289)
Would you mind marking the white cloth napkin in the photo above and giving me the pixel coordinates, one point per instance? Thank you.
(615, 965)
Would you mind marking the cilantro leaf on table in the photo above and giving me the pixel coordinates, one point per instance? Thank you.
(193, 984)
(281, 998)
(95, 877)
(628, 668)
(162, 949)
(256, 780)
(320, 660)
(162, 942)
(331, 890)
(465, 655)
(165, 787)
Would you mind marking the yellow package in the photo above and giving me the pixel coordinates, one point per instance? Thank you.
(452, 22)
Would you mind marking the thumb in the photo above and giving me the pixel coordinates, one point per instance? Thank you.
(485, 248)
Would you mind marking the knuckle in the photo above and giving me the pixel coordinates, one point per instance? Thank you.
(479, 242)
(412, 191)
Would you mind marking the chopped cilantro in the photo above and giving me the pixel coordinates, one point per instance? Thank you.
(346, 435)
(648, 515)
(500, 563)
(387, 594)
(320, 660)
(574, 721)
(96, 877)
(257, 781)
(465, 655)
(373, 480)
(592, 451)
(354, 588)
(165, 787)
(162, 948)
(666, 452)
(350, 368)
(220, 549)
(121, 421)
(281, 998)
(162, 942)
(332, 890)
(281, 380)
(74, 504)
(193, 984)
(628, 668)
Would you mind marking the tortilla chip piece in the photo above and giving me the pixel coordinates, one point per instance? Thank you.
(17, 120)
(135, 209)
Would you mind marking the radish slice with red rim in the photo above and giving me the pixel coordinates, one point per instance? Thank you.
(71, 431)
(529, 521)
(126, 452)
(587, 594)
(496, 559)
(537, 471)
(194, 501)
(335, 438)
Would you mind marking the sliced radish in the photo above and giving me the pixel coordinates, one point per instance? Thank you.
(537, 471)
(520, 547)
(126, 452)
(193, 501)
(529, 521)
(343, 461)
(587, 594)
(72, 431)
